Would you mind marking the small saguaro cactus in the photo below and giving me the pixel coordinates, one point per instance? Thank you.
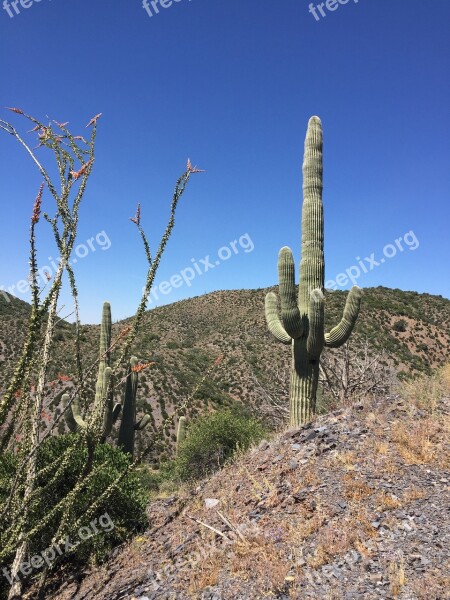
(302, 320)
(129, 425)
(104, 412)
(181, 433)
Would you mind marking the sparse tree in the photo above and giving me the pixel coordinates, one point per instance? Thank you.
(354, 372)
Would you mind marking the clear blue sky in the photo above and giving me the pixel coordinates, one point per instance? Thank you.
(231, 84)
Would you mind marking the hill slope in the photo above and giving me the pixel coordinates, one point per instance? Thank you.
(184, 339)
(354, 506)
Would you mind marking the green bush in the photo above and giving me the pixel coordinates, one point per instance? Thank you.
(122, 514)
(213, 439)
(400, 325)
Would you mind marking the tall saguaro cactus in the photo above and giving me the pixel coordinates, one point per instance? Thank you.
(302, 318)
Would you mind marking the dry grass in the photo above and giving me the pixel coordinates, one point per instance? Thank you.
(431, 583)
(347, 459)
(261, 559)
(397, 577)
(425, 392)
(386, 501)
(333, 539)
(355, 489)
(418, 442)
(205, 573)
(381, 448)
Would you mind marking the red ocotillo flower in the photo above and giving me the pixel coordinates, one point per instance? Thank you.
(37, 205)
(82, 171)
(124, 332)
(139, 368)
(137, 218)
(19, 111)
(62, 377)
(192, 169)
(94, 120)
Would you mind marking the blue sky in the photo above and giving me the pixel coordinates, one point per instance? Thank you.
(231, 84)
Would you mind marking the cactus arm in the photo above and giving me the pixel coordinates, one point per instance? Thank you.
(76, 413)
(142, 423)
(105, 333)
(290, 313)
(312, 264)
(273, 320)
(315, 341)
(340, 334)
(71, 423)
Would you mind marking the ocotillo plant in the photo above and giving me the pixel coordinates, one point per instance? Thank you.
(302, 320)
(129, 425)
(103, 414)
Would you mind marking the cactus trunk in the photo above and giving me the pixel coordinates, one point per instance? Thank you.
(304, 382)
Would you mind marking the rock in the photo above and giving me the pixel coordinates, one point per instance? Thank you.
(211, 502)
(310, 436)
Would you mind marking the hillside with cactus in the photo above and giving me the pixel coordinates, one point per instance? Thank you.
(354, 506)
(99, 424)
(183, 340)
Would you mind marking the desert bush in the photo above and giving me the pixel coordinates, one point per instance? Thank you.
(213, 439)
(125, 507)
(399, 325)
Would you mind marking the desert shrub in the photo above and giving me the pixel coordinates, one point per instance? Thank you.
(213, 439)
(400, 325)
(172, 345)
(119, 516)
(422, 347)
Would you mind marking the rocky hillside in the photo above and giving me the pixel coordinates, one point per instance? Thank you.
(184, 339)
(354, 506)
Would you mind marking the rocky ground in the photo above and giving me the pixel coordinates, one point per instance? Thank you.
(354, 506)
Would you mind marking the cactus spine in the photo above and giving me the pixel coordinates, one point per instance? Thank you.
(302, 319)
(129, 425)
(104, 412)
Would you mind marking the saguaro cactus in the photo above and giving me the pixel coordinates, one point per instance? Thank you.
(181, 433)
(129, 425)
(302, 319)
(104, 412)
